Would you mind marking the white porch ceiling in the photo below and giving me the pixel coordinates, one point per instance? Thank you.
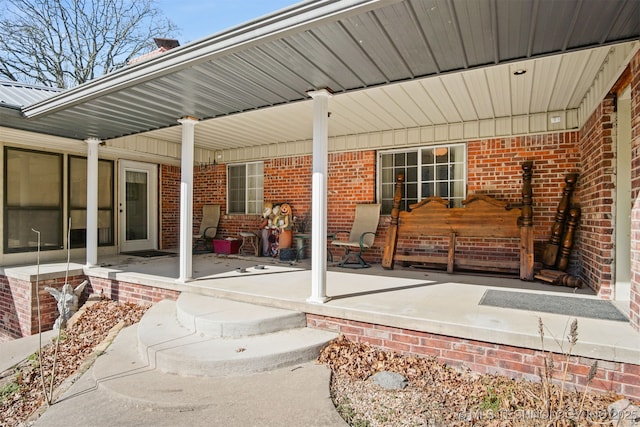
(552, 85)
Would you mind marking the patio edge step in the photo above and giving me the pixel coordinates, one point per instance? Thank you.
(171, 347)
(222, 318)
(130, 384)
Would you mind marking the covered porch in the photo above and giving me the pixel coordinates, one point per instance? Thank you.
(518, 104)
(454, 317)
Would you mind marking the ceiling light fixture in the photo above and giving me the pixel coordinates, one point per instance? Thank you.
(440, 151)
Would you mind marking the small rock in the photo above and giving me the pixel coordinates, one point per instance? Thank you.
(390, 380)
(624, 413)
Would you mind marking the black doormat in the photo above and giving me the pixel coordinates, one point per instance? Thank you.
(148, 253)
(570, 306)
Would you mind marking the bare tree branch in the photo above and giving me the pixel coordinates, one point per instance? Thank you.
(63, 43)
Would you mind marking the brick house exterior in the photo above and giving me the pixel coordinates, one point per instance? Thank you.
(493, 168)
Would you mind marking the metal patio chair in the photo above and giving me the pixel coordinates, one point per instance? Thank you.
(361, 236)
(203, 241)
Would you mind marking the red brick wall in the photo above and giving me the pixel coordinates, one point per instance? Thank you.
(19, 308)
(494, 168)
(635, 191)
(129, 292)
(351, 180)
(486, 358)
(170, 206)
(18, 303)
(596, 193)
(14, 308)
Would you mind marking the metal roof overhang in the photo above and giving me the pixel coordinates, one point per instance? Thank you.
(391, 63)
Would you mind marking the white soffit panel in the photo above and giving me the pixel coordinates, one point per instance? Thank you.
(592, 66)
(381, 109)
(438, 92)
(521, 86)
(478, 87)
(459, 94)
(400, 94)
(544, 83)
(572, 68)
(420, 94)
(498, 80)
(349, 112)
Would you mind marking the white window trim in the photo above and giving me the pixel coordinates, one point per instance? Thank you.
(246, 193)
(417, 149)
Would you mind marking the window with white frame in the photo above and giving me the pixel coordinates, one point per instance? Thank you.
(245, 184)
(428, 171)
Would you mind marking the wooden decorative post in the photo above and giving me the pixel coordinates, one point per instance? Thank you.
(551, 250)
(392, 233)
(559, 278)
(526, 224)
(567, 240)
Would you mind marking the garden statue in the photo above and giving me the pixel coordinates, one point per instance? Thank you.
(285, 225)
(268, 229)
(67, 299)
(264, 227)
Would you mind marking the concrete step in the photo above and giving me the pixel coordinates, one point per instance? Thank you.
(173, 348)
(222, 318)
(126, 390)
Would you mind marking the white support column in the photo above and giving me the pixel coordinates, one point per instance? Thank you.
(186, 198)
(92, 202)
(319, 197)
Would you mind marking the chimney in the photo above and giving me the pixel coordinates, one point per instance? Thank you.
(163, 46)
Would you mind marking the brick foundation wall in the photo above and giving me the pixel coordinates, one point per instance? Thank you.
(19, 308)
(13, 307)
(129, 292)
(18, 302)
(486, 358)
(635, 192)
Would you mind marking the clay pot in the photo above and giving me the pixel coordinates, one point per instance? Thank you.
(286, 238)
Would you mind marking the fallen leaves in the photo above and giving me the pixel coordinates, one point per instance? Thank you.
(77, 342)
(439, 395)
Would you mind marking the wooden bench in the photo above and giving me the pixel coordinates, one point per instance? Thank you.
(481, 217)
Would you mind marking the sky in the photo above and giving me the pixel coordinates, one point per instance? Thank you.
(197, 19)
